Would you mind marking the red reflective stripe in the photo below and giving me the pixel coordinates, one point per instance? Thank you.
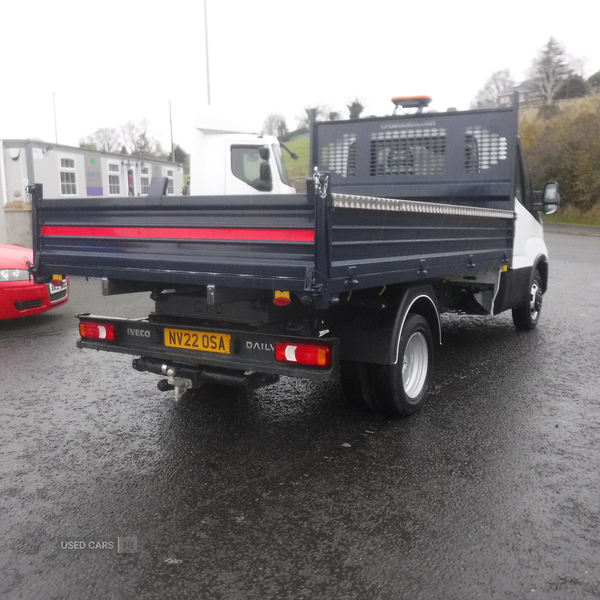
(181, 233)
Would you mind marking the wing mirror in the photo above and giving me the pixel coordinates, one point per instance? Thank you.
(266, 177)
(551, 199)
(264, 152)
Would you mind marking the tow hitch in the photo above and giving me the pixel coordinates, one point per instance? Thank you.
(180, 377)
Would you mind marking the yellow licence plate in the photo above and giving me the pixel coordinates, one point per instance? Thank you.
(198, 340)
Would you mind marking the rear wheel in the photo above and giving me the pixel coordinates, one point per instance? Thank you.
(400, 389)
(396, 390)
(527, 315)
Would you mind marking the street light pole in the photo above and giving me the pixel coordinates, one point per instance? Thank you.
(55, 125)
(207, 62)
(171, 126)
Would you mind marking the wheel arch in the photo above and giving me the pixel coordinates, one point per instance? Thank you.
(379, 344)
(423, 303)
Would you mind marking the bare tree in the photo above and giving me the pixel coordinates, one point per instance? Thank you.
(497, 82)
(138, 139)
(330, 112)
(355, 108)
(131, 132)
(304, 120)
(550, 70)
(106, 139)
(275, 124)
(282, 128)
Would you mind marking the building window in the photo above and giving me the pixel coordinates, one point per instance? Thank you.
(145, 171)
(114, 185)
(68, 184)
(170, 188)
(114, 181)
(68, 177)
(145, 185)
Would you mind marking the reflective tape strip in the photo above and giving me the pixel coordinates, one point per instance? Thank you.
(183, 233)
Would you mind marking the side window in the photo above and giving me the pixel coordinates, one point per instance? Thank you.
(527, 186)
(519, 181)
(245, 165)
(281, 166)
(523, 186)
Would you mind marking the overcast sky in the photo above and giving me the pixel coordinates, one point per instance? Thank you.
(112, 61)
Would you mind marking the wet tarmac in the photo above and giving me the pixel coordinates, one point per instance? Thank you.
(491, 491)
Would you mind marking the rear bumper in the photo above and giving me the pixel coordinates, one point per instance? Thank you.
(250, 350)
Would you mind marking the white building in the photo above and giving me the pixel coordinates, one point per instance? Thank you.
(69, 172)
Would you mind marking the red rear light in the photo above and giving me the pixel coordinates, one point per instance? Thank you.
(317, 355)
(97, 331)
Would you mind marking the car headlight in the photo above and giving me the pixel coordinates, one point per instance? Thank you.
(14, 275)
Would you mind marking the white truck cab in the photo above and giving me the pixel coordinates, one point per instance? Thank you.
(227, 159)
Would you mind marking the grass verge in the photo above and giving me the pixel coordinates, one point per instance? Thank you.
(298, 169)
(571, 216)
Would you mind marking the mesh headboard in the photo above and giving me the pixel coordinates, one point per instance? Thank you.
(460, 157)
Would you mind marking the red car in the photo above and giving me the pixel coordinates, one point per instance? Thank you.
(19, 296)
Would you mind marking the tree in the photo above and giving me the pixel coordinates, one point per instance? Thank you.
(181, 156)
(138, 140)
(550, 70)
(355, 108)
(333, 115)
(574, 87)
(282, 129)
(105, 139)
(158, 152)
(304, 121)
(566, 148)
(594, 82)
(88, 143)
(275, 124)
(497, 82)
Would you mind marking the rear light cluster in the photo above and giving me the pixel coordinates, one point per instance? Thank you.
(282, 298)
(317, 355)
(97, 331)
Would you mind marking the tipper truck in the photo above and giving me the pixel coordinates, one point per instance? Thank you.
(405, 216)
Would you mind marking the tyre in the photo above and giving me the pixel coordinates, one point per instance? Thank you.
(526, 316)
(356, 384)
(400, 389)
